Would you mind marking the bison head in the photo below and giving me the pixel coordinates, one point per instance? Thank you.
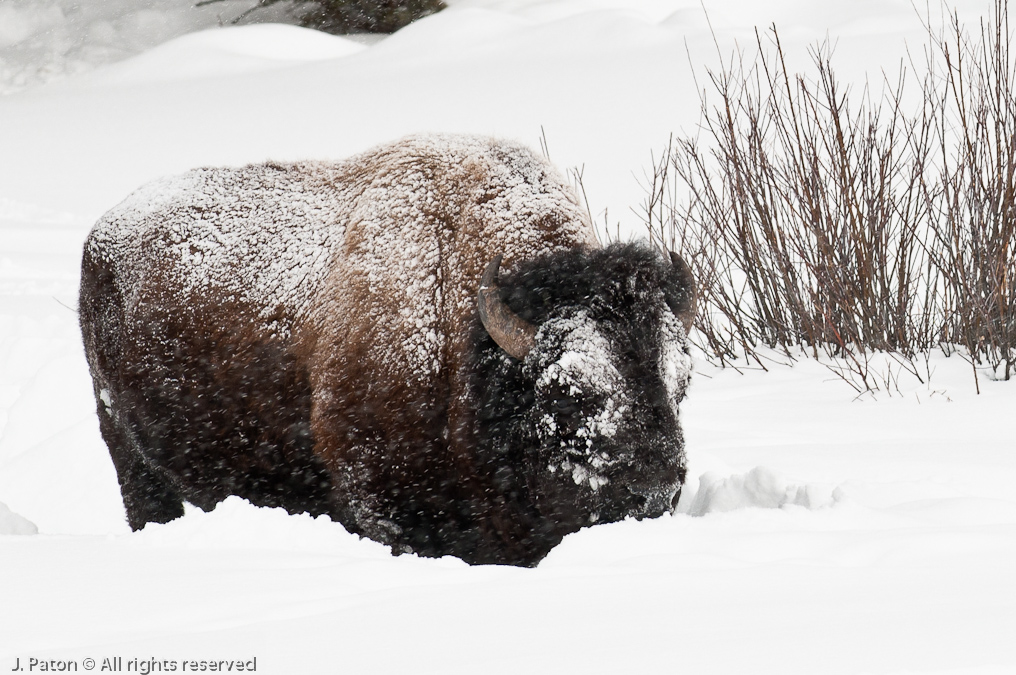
(579, 396)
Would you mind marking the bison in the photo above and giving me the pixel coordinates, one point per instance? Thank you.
(341, 339)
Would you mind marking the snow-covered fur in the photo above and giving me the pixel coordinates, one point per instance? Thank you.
(306, 335)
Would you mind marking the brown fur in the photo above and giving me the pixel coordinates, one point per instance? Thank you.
(341, 404)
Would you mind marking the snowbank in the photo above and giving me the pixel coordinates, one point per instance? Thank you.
(46, 40)
(225, 51)
(759, 488)
(12, 523)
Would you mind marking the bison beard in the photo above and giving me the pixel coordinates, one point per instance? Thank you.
(308, 336)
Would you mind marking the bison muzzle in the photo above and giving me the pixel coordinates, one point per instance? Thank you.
(343, 339)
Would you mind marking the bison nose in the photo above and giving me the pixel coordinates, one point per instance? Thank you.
(658, 479)
(659, 484)
(659, 502)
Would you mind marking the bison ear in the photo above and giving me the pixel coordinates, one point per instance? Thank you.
(512, 333)
(681, 295)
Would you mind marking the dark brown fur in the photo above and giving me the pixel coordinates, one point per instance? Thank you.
(359, 402)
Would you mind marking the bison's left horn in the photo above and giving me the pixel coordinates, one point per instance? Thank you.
(512, 333)
(688, 298)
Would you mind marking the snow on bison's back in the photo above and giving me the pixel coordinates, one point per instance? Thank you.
(337, 338)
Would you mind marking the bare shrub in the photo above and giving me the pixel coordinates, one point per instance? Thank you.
(969, 104)
(829, 220)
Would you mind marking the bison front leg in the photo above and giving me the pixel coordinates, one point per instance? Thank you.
(147, 496)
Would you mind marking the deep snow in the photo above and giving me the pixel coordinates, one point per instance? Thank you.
(817, 534)
(46, 40)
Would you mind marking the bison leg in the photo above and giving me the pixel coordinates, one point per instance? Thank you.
(147, 496)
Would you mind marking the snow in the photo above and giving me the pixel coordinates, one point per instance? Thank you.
(45, 40)
(264, 251)
(759, 488)
(675, 361)
(11, 523)
(818, 532)
(225, 51)
(584, 367)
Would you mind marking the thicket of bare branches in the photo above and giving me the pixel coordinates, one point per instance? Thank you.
(972, 110)
(842, 223)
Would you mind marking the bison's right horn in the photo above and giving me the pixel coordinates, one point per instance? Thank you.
(512, 333)
(687, 302)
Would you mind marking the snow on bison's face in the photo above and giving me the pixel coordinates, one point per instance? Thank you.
(594, 390)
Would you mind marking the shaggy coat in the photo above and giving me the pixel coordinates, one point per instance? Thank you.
(306, 336)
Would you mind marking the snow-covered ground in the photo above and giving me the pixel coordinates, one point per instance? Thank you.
(817, 534)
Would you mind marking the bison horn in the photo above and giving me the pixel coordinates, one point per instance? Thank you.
(687, 301)
(512, 333)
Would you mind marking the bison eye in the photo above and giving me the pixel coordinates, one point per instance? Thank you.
(565, 405)
(565, 402)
